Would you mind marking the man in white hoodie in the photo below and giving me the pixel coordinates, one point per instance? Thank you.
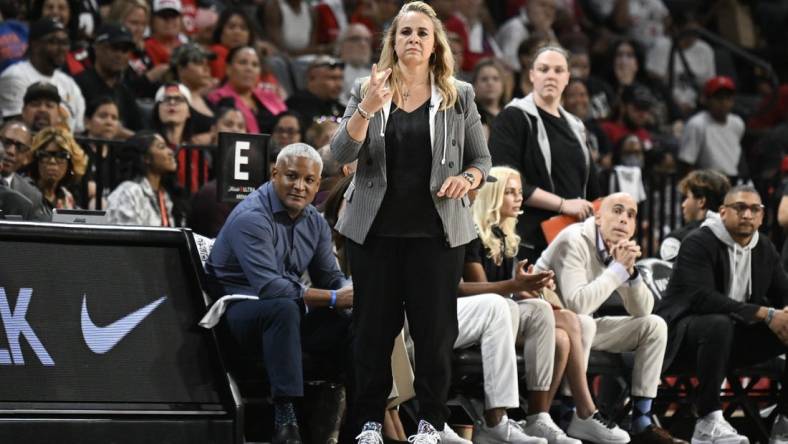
(724, 309)
(592, 260)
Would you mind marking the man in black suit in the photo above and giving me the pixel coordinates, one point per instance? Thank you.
(15, 137)
(724, 309)
(13, 203)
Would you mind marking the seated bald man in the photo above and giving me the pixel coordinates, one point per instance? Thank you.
(724, 306)
(268, 242)
(592, 260)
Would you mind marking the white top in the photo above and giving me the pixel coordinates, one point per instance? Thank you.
(15, 80)
(700, 58)
(648, 18)
(135, 203)
(706, 143)
(296, 27)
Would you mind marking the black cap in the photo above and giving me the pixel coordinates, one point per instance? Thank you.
(114, 33)
(190, 52)
(43, 27)
(41, 91)
(639, 96)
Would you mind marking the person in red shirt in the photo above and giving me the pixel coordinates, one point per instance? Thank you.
(234, 29)
(166, 28)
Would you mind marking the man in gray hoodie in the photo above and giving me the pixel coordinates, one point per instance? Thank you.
(724, 309)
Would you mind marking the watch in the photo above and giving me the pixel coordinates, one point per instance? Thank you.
(469, 177)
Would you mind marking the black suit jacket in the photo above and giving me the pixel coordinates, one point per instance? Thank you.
(41, 212)
(697, 285)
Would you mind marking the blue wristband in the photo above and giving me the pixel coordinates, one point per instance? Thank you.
(333, 302)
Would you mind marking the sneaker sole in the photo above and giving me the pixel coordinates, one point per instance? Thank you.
(594, 439)
(489, 440)
(742, 440)
(565, 439)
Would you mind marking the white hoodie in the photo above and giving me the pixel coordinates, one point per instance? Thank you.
(739, 285)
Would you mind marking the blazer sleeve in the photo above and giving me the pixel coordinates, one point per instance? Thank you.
(343, 147)
(475, 152)
(509, 134)
(693, 278)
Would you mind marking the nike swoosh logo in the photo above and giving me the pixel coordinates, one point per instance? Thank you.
(102, 339)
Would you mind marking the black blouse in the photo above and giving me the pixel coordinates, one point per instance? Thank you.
(476, 252)
(569, 162)
(408, 209)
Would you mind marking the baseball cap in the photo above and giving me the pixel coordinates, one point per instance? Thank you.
(173, 87)
(114, 33)
(41, 91)
(190, 52)
(43, 27)
(639, 96)
(164, 5)
(719, 83)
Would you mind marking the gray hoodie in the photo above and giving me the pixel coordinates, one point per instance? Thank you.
(739, 286)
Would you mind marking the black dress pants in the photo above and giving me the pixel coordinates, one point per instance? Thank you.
(714, 344)
(392, 277)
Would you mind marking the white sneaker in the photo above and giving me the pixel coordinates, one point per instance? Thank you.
(370, 434)
(449, 436)
(506, 432)
(714, 429)
(543, 426)
(596, 428)
(779, 431)
(425, 435)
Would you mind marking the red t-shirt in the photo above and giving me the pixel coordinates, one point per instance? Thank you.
(616, 131)
(157, 52)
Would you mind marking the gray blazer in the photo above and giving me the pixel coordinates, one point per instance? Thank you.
(40, 211)
(458, 143)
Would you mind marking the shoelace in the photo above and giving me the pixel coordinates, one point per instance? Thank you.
(369, 437)
(424, 438)
(605, 421)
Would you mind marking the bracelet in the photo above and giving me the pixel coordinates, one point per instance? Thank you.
(561, 206)
(769, 316)
(333, 302)
(364, 115)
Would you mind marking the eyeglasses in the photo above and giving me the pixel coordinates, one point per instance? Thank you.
(331, 64)
(173, 100)
(741, 207)
(60, 157)
(21, 147)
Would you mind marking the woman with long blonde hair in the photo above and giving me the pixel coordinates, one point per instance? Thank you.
(417, 136)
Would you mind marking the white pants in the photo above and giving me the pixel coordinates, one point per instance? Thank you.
(647, 336)
(485, 319)
(537, 327)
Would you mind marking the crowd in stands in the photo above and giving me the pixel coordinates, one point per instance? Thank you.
(103, 102)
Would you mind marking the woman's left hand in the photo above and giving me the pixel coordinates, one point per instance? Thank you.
(454, 187)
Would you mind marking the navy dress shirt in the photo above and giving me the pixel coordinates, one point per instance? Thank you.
(261, 251)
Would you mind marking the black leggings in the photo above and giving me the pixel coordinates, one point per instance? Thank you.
(392, 277)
